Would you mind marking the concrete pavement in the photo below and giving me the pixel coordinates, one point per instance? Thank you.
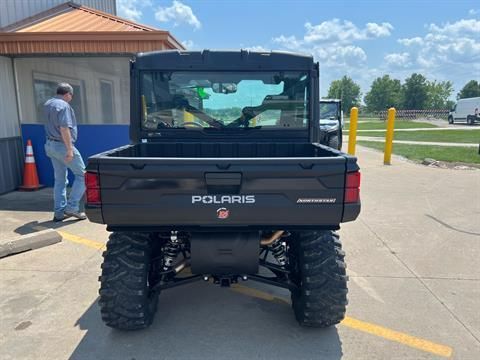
(414, 286)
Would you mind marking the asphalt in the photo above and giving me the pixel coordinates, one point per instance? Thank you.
(414, 286)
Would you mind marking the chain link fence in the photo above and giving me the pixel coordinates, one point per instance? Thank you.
(416, 114)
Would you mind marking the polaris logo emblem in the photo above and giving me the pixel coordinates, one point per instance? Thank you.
(223, 199)
(223, 213)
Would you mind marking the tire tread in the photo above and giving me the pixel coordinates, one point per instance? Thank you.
(322, 298)
(125, 300)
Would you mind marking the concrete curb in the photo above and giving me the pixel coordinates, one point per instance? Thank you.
(30, 242)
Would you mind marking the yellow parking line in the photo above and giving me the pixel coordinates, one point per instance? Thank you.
(74, 238)
(380, 331)
(399, 337)
(80, 240)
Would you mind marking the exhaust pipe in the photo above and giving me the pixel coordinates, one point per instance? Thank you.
(180, 266)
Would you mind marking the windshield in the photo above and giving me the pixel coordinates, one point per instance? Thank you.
(236, 100)
(329, 110)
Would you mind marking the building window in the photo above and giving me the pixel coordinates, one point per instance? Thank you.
(107, 98)
(101, 87)
(46, 89)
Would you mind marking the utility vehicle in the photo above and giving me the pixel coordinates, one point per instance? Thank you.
(224, 180)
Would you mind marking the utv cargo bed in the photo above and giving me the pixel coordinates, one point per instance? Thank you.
(159, 185)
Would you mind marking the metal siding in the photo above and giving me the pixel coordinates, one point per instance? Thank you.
(9, 123)
(107, 6)
(11, 158)
(16, 10)
(11, 153)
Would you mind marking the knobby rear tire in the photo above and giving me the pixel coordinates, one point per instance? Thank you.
(126, 300)
(318, 265)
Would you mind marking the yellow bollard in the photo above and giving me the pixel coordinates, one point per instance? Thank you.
(352, 132)
(389, 136)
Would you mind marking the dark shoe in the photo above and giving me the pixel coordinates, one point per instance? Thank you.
(59, 219)
(76, 214)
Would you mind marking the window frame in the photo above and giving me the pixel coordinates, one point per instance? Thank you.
(307, 96)
(47, 77)
(113, 113)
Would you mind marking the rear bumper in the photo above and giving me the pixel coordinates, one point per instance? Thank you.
(207, 218)
(351, 212)
(94, 213)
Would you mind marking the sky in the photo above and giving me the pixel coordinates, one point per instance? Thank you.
(361, 39)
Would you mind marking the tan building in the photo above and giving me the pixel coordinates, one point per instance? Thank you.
(86, 47)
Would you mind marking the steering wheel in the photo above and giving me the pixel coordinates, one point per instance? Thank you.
(193, 123)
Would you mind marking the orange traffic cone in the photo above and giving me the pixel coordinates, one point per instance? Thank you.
(30, 177)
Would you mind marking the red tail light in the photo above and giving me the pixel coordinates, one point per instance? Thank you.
(352, 187)
(92, 182)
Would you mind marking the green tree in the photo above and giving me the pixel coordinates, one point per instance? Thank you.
(415, 92)
(384, 93)
(449, 105)
(438, 94)
(471, 89)
(346, 90)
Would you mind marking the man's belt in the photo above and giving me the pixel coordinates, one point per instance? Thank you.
(52, 139)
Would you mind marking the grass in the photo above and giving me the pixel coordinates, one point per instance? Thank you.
(420, 152)
(453, 136)
(379, 125)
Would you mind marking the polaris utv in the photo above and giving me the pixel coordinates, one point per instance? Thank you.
(223, 180)
(331, 123)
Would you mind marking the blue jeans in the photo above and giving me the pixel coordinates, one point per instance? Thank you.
(57, 151)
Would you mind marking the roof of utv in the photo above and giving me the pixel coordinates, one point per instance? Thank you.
(205, 60)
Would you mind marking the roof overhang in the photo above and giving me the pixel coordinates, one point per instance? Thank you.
(24, 43)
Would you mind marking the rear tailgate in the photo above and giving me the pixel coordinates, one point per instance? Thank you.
(222, 192)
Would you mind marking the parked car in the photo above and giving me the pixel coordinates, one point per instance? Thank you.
(465, 111)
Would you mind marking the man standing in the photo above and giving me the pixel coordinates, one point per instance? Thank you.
(61, 132)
